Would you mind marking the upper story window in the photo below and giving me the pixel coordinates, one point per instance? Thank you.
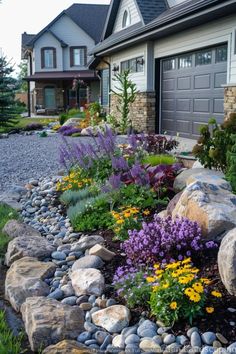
(48, 58)
(172, 3)
(126, 21)
(78, 56)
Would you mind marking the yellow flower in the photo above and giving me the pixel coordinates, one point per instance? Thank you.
(173, 265)
(188, 291)
(146, 212)
(150, 279)
(120, 221)
(117, 230)
(155, 288)
(186, 261)
(216, 293)
(198, 288)
(184, 280)
(159, 271)
(205, 281)
(195, 297)
(69, 186)
(165, 286)
(126, 215)
(173, 305)
(156, 266)
(210, 309)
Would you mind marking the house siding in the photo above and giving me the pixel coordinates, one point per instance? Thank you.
(72, 35)
(47, 40)
(133, 10)
(210, 34)
(140, 78)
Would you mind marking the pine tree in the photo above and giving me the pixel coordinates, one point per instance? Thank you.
(8, 110)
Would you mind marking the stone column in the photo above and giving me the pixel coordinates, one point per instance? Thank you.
(142, 111)
(229, 100)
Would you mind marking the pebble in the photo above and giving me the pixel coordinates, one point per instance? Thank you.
(60, 256)
(232, 348)
(90, 327)
(100, 336)
(56, 294)
(129, 330)
(221, 338)
(83, 337)
(106, 342)
(169, 339)
(191, 330)
(181, 339)
(147, 329)
(208, 338)
(231, 309)
(207, 350)
(172, 348)
(86, 306)
(150, 345)
(70, 300)
(195, 339)
(119, 341)
(132, 339)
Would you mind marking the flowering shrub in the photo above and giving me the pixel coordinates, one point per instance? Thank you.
(68, 130)
(126, 219)
(73, 181)
(178, 292)
(131, 285)
(163, 240)
(152, 143)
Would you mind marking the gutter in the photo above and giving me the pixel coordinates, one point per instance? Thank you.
(155, 29)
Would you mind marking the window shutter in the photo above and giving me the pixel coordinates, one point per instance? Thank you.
(42, 58)
(54, 58)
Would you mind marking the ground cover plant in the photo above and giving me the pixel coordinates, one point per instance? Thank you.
(6, 214)
(9, 344)
(22, 123)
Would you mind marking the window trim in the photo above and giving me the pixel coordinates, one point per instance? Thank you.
(43, 49)
(72, 55)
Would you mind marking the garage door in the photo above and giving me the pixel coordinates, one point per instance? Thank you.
(191, 90)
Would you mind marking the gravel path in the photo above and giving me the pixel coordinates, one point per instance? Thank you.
(26, 157)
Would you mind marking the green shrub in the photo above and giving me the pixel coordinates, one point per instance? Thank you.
(214, 142)
(72, 196)
(75, 135)
(63, 118)
(231, 164)
(6, 214)
(155, 160)
(9, 344)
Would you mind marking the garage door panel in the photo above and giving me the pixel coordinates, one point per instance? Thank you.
(220, 79)
(191, 96)
(202, 81)
(169, 85)
(168, 105)
(183, 105)
(218, 105)
(201, 105)
(184, 83)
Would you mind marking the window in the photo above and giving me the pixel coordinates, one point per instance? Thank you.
(221, 54)
(48, 58)
(203, 58)
(105, 87)
(78, 56)
(135, 65)
(169, 64)
(126, 19)
(185, 62)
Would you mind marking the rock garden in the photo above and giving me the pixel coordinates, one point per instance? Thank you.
(128, 251)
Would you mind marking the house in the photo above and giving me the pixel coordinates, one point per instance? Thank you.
(58, 58)
(182, 57)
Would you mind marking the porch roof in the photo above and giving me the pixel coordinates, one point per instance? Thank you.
(62, 75)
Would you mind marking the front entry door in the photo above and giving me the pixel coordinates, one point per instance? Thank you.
(50, 98)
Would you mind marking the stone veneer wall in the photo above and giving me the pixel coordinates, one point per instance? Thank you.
(229, 100)
(143, 111)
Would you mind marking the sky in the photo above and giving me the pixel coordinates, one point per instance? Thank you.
(31, 16)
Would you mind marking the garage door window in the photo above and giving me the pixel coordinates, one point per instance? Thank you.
(221, 54)
(185, 62)
(203, 58)
(169, 64)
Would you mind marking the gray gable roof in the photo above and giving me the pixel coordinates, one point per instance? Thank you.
(25, 39)
(90, 18)
(149, 9)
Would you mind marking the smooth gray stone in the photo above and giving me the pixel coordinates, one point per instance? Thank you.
(59, 256)
(84, 336)
(129, 330)
(208, 338)
(195, 340)
(70, 300)
(90, 327)
(132, 339)
(169, 339)
(207, 350)
(232, 348)
(56, 294)
(191, 330)
(106, 342)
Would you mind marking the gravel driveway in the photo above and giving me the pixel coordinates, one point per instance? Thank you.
(26, 157)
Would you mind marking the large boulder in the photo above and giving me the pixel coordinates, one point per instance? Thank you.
(48, 321)
(25, 279)
(113, 318)
(28, 246)
(181, 180)
(227, 261)
(67, 347)
(72, 122)
(87, 281)
(86, 242)
(209, 201)
(16, 228)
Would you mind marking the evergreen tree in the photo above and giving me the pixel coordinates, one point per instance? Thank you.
(8, 110)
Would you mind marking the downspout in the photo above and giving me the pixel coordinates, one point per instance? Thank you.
(28, 97)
